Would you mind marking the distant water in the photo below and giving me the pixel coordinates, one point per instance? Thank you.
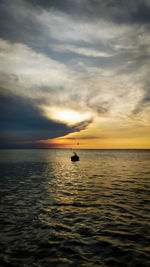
(95, 212)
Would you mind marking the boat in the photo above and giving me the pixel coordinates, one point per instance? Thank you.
(75, 157)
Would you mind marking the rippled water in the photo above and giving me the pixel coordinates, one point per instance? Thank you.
(94, 212)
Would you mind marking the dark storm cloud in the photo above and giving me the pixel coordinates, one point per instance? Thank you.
(21, 121)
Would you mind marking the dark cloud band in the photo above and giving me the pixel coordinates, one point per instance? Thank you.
(21, 121)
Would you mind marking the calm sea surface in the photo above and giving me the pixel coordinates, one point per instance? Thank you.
(95, 212)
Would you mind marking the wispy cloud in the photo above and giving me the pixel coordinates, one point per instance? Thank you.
(88, 52)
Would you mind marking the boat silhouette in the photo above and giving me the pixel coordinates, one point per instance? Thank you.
(75, 157)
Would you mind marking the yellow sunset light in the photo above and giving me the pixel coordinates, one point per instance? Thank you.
(67, 116)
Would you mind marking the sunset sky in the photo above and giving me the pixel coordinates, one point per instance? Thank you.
(75, 74)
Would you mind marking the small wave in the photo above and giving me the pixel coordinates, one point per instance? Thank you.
(55, 213)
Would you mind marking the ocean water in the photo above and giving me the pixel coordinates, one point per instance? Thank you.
(95, 212)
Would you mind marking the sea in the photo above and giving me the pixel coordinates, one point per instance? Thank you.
(93, 212)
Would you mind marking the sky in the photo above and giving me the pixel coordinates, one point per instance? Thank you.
(75, 74)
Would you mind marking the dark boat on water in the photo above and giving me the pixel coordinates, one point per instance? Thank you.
(75, 157)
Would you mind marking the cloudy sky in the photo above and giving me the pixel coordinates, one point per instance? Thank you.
(75, 73)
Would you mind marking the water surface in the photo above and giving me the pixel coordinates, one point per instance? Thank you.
(95, 212)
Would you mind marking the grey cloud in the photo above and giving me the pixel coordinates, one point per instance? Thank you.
(16, 24)
(19, 23)
(135, 11)
(102, 108)
(64, 5)
(143, 103)
(82, 125)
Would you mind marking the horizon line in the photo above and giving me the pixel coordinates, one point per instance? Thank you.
(23, 148)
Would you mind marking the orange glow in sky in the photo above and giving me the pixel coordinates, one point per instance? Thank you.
(81, 141)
